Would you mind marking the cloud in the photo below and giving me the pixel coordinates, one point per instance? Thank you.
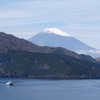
(70, 11)
(77, 14)
(73, 16)
(93, 53)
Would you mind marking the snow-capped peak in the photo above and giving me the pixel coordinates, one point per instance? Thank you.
(55, 31)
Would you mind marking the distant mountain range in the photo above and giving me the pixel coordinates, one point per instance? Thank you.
(21, 58)
(56, 38)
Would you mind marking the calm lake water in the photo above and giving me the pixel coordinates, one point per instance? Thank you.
(32, 89)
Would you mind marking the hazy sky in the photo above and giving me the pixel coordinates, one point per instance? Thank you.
(25, 18)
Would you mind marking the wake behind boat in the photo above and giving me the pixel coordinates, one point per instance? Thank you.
(9, 83)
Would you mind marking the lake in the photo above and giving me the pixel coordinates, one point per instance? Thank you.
(36, 89)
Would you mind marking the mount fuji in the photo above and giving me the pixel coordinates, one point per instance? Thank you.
(56, 38)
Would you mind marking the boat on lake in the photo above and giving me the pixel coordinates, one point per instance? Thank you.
(9, 83)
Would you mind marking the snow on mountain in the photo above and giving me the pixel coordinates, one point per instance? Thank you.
(56, 38)
(55, 31)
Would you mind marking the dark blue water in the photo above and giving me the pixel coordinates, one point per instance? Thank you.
(32, 89)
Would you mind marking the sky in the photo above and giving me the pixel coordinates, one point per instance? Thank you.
(25, 18)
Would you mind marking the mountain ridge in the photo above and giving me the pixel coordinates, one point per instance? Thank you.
(23, 64)
(8, 41)
(21, 58)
